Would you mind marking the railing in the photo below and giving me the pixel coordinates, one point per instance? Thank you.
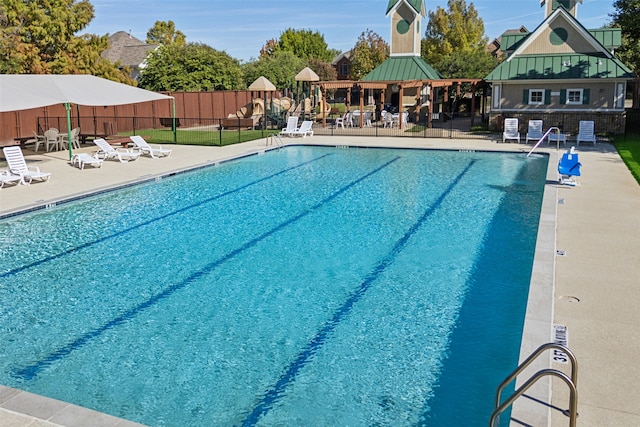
(546, 134)
(572, 383)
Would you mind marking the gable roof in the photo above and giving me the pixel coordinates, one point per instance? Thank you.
(417, 5)
(127, 50)
(597, 64)
(403, 68)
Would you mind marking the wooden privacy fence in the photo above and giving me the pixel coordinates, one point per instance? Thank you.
(196, 106)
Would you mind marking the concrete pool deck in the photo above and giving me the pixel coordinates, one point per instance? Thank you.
(592, 288)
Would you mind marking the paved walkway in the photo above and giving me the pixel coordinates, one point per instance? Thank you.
(596, 281)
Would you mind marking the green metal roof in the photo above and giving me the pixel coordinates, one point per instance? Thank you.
(402, 68)
(511, 41)
(560, 66)
(417, 5)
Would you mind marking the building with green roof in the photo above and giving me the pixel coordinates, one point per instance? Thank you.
(561, 73)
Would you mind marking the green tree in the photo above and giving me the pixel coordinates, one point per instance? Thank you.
(323, 69)
(280, 68)
(304, 44)
(192, 67)
(38, 37)
(625, 16)
(455, 43)
(369, 51)
(165, 33)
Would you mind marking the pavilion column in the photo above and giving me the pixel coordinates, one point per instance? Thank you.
(445, 104)
(324, 110)
(473, 103)
(432, 95)
(348, 100)
(400, 106)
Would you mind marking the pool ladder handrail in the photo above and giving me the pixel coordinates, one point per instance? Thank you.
(572, 383)
(275, 140)
(557, 129)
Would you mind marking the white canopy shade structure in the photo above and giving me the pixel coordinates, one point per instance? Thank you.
(26, 91)
(307, 75)
(262, 84)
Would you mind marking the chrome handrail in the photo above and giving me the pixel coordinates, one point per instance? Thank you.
(544, 136)
(525, 363)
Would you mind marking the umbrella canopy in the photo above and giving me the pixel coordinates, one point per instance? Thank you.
(263, 84)
(307, 75)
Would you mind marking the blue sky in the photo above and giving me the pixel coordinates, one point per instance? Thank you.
(241, 27)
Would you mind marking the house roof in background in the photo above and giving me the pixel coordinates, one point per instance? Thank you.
(127, 50)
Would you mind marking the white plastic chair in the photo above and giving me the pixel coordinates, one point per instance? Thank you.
(152, 150)
(535, 131)
(52, 139)
(106, 152)
(305, 129)
(586, 133)
(18, 166)
(511, 130)
(82, 159)
(292, 125)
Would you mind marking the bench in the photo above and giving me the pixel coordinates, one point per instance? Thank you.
(168, 122)
(233, 123)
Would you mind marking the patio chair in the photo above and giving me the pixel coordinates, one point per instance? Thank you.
(7, 177)
(52, 139)
(18, 166)
(106, 152)
(511, 130)
(152, 150)
(292, 125)
(585, 132)
(39, 139)
(305, 129)
(557, 137)
(569, 167)
(340, 121)
(82, 159)
(387, 119)
(75, 139)
(534, 133)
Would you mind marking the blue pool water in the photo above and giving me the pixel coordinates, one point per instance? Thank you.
(305, 286)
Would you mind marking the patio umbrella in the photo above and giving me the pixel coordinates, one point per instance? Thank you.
(263, 84)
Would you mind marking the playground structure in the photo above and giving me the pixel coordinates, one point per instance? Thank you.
(254, 115)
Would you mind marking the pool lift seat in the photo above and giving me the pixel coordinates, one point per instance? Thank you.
(569, 167)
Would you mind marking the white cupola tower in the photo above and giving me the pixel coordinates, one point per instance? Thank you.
(406, 16)
(570, 5)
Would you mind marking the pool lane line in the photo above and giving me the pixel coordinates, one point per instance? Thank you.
(273, 394)
(152, 220)
(32, 370)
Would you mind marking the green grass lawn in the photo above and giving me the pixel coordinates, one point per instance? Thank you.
(629, 150)
(210, 137)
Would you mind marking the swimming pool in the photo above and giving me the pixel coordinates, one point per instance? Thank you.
(315, 286)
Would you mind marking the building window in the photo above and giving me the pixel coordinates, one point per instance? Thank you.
(574, 96)
(344, 68)
(495, 95)
(619, 95)
(536, 96)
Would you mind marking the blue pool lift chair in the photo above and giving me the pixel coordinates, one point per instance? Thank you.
(569, 167)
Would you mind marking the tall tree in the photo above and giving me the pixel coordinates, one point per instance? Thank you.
(304, 44)
(165, 33)
(455, 43)
(369, 51)
(38, 36)
(192, 67)
(280, 68)
(625, 16)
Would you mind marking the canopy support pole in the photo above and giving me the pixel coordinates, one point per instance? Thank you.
(67, 106)
(173, 118)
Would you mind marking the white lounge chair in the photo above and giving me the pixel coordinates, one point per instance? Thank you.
(535, 131)
(585, 132)
(152, 150)
(7, 177)
(292, 126)
(304, 130)
(556, 137)
(18, 166)
(511, 130)
(82, 159)
(106, 151)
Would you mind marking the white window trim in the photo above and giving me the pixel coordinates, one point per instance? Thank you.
(581, 97)
(496, 94)
(531, 91)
